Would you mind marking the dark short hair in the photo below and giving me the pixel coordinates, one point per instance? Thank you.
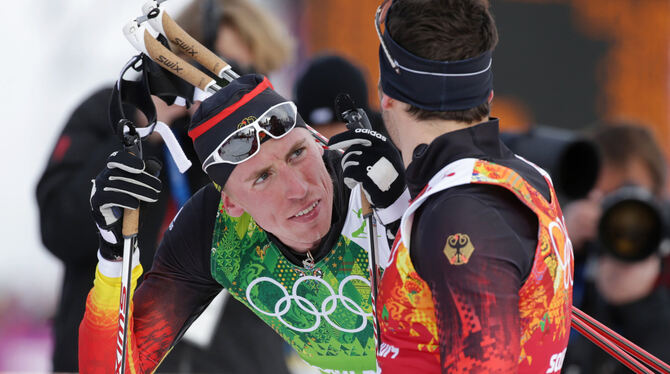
(444, 30)
(622, 142)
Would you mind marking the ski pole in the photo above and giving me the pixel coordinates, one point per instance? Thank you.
(609, 347)
(357, 118)
(621, 342)
(131, 138)
(132, 143)
(130, 227)
(161, 22)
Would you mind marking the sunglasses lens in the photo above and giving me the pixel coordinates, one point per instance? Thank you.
(244, 143)
(240, 146)
(279, 120)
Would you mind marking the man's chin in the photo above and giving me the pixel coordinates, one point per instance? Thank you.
(311, 239)
(310, 234)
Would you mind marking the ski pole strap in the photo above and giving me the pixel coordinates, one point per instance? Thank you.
(166, 86)
(179, 187)
(130, 93)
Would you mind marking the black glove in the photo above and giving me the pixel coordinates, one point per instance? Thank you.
(125, 182)
(372, 160)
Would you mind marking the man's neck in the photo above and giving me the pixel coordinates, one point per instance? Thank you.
(424, 132)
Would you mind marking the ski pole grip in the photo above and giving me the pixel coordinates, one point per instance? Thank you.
(131, 217)
(175, 64)
(191, 47)
(131, 220)
(366, 208)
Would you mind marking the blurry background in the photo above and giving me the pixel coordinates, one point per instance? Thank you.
(563, 63)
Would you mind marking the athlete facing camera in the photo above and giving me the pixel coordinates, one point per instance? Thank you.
(276, 228)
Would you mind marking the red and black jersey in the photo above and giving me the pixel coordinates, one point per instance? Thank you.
(485, 284)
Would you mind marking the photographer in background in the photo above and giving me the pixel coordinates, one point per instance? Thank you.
(617, 234)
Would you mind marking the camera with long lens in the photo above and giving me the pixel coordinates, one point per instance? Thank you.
(633, 224)
(572, 161)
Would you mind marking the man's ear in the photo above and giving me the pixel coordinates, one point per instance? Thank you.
(387, 102)
(230, 206)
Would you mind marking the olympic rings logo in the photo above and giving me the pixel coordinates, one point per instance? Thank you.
(328, 305)
(564, 262)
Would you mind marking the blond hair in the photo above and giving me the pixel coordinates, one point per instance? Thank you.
(268, 40)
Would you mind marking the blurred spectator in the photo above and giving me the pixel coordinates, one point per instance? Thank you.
(245, 35)
(316, 89)
(240, 342)
(615, 281)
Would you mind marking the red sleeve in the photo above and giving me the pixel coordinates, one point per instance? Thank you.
(476, 297)
(159, 311)
(174, 293)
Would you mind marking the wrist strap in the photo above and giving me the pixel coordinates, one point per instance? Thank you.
(112, 269)
(394, 211)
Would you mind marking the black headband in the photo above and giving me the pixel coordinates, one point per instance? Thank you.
(435, 85)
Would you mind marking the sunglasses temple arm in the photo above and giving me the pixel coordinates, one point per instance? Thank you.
(161, 22)
(621, 342)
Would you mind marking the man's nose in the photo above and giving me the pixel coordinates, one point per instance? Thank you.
(295, 185)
